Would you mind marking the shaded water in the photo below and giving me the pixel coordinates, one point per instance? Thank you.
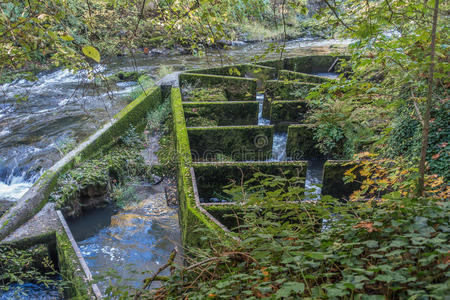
(30, 291)
(124, 247)
(62, 106)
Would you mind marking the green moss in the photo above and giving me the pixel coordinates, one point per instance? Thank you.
(236, 88)
(82, 185)
(302, 77)
(300, 143)
(221, 113)
(213, 177)
(242, 70)
(310, 64)
(71, 269)
(287, 90)
(190, 217)
(238, 142)
(333, 183)
(287, 111)
(204, 94)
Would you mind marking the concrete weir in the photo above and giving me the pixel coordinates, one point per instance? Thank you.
(32, 220)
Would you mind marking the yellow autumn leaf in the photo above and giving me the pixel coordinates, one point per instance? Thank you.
(91, 52)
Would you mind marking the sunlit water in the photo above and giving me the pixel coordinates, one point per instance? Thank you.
(124, 247)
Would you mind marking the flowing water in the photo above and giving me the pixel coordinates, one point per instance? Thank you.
(124, 247)
(313, 179)
(279, 146)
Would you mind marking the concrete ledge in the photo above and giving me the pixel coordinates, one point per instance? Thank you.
(236, 88)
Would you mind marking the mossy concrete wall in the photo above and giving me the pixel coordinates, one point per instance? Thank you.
(190, 217)
(309, 64)
(64, 252)
(236, 88)
(284, 90)
(35, 198)
(231, 142)
(214, 176)
(288, 111)
(333, 179)
(241, 70)
(221, 113)
(300, 143)
(302, 77)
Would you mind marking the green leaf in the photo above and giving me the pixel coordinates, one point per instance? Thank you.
(91, 52)
(67, 38)
(315, 255)
(290, 287)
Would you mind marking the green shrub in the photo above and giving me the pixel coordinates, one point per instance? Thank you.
(391, 249)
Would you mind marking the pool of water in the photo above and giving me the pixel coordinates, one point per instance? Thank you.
(123, 247)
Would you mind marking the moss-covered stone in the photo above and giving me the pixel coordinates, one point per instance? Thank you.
(71, 270)
(242, 70)
(204, 94)
(310, 64)
(236, 88)
(287, 90)
(333, 183)
(236, 142)
(301, 144)
(213, 177)
(191, 218)
(302, 77)
(287, 111)
(221, 113)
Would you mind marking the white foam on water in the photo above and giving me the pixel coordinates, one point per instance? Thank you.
(261, 120)
(279, 146)
(14, 191)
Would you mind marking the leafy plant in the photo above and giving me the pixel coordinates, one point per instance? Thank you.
(123, 194)
(394, 249)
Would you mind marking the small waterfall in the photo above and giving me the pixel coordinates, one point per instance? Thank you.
(261, 120)
(313, 179)
(14, 183)
(279, 146)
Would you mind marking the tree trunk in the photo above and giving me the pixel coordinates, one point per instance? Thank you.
(426, 119)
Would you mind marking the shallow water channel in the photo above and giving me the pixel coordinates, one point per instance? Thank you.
(123, 247)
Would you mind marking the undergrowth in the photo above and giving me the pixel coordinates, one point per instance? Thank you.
(394, 248)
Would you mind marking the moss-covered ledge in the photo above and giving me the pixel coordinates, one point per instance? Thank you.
(303, 77)
(190, 217)
(221, 113)
(231, 142)
(35, 198)
(236, 88)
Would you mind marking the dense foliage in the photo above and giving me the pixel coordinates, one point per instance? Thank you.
(394, 248)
